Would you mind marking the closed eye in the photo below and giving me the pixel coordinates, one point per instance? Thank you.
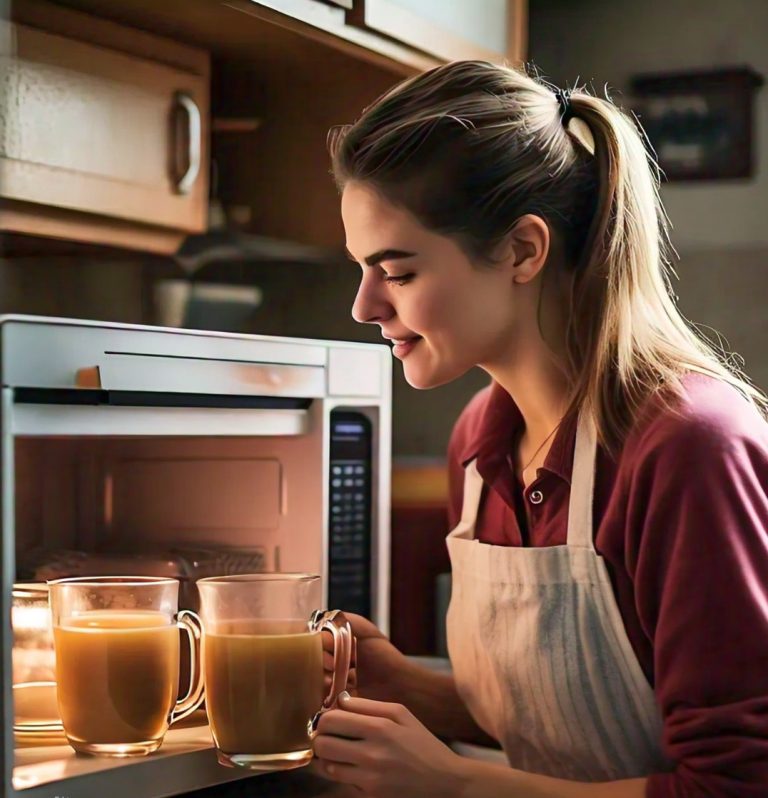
(398, 279)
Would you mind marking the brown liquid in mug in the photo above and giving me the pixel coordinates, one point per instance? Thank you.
(264, 684)
(117, 675)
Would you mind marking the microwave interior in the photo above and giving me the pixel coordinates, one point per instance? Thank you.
(190, 506)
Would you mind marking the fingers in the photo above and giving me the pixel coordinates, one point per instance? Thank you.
(337, 749)
(362, 718)
(379, 709)
(362, 627)
(346, 724)
(328, 648)
(351, 680)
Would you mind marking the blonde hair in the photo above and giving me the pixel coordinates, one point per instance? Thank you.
(469, 147)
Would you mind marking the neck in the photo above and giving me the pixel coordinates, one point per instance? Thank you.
(538, 387)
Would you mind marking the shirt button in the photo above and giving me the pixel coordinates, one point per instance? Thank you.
(536, 497)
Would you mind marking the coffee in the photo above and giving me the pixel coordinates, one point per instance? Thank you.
(117, 675)
(263, 683)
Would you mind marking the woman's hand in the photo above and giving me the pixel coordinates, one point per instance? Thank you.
(383, 750)
(376, 663)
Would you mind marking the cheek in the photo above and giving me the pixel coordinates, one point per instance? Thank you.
(440, 307)
(468, 312)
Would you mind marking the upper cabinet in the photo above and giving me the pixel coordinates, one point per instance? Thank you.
(106, 127)
(415, 33)
(104, 132)
(491, 30)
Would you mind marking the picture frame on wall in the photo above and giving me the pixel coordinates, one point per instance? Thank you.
(700, 123)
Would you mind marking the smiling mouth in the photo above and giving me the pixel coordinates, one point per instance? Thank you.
(403, 346)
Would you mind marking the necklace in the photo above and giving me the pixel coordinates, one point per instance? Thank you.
(527, 465)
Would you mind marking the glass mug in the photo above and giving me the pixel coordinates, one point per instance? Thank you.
(117, 661)
(263, 666)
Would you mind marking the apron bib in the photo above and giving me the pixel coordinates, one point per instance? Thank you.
(539, 650)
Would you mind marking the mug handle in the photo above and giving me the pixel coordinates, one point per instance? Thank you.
(335, 622)
(190, 623)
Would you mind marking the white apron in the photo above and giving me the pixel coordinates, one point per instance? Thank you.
(539, 650)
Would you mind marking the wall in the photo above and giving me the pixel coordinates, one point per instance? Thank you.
(74, 287)
(719, 228)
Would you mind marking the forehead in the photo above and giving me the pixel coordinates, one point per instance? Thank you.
(372, 222)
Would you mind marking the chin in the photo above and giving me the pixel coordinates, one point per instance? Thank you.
(423, 379)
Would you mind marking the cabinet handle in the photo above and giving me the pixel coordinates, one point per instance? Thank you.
(187, 180)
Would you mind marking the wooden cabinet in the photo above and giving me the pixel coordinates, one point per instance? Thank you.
(104, 132)
(491, 30)
(101, 101)
(415, 33)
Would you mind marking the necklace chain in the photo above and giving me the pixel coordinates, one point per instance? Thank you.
(541, 446)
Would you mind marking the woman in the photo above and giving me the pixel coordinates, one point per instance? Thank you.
(609, 618)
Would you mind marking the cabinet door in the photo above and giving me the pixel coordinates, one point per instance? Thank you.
(492, 30)
(89, 129)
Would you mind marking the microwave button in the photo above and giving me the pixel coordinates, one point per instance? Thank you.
(336, 470)
(348, 483)
(336, 483)
(349, 469)
(358, 483)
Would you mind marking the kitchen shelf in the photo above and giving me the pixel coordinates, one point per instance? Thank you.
(186, 761)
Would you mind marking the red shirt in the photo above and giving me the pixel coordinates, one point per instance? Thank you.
(681, 518)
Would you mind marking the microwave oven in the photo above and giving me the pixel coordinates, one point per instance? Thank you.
(132, 444)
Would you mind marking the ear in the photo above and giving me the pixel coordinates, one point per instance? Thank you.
(527, 246)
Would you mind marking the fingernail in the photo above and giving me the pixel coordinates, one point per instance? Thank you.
(344, 696)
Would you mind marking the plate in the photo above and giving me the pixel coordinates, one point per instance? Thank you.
(36, 718)
(37, 721)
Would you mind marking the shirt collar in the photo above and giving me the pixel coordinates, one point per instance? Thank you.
(494, 438)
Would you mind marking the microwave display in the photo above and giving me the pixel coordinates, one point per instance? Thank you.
(349, 524)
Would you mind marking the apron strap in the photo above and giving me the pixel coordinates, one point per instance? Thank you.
(473, 490)
(580, 532)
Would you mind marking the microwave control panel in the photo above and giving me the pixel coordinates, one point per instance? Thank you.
(349, 561)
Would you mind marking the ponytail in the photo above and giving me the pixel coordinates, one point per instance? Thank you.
(626, 338)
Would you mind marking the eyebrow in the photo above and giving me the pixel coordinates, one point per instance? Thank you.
(383, 254)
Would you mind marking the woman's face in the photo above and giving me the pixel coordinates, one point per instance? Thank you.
(444, 313)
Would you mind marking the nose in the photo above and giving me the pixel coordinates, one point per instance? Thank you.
(370, 306)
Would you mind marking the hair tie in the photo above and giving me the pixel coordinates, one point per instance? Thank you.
(563, 97)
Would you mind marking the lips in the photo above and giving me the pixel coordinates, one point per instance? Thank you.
(403, 346)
